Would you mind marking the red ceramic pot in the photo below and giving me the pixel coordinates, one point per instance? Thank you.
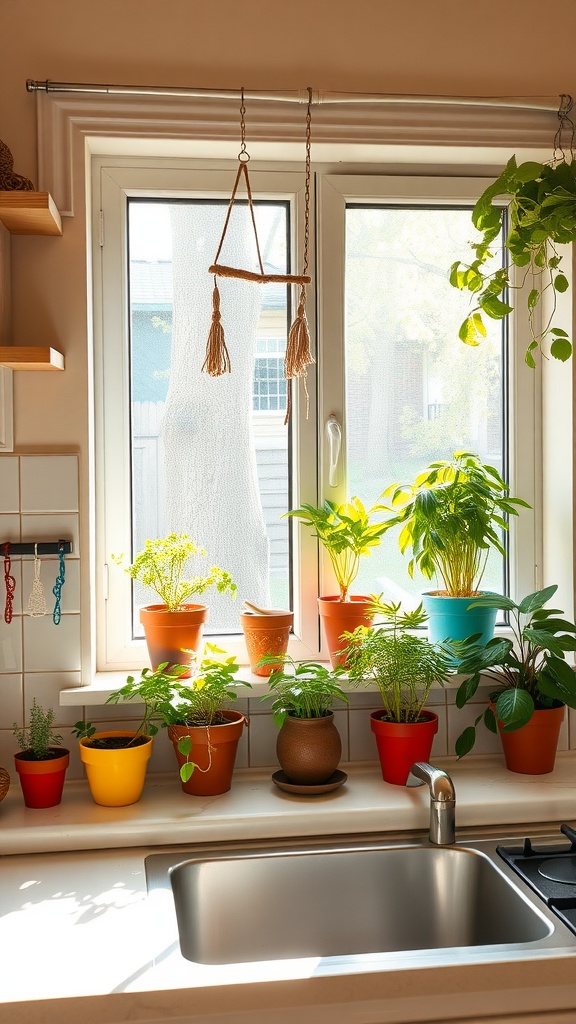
(401, 744)
(42, 781)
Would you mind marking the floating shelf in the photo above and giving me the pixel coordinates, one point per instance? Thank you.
(22, 357)
(29, 213)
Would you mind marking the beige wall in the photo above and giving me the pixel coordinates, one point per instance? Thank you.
(494, 48)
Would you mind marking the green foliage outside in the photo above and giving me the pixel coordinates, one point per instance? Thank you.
(530, 670)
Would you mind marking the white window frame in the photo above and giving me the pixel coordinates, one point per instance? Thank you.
(113, 182)
(114, 179)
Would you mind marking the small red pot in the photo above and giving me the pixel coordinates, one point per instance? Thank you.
(401, 744)
(42, 781)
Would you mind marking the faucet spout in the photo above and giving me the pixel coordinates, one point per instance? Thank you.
(442, 801)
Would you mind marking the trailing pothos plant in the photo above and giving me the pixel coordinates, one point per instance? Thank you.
(541, 216)
(346, 532)
(529, 671)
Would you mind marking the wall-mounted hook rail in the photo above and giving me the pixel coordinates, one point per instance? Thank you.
(53, 547)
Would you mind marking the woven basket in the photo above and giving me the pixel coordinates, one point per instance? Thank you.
(4, 783)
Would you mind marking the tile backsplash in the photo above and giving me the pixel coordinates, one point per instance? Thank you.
(39, 502)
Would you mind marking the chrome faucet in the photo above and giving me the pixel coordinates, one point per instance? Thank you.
(442, 801)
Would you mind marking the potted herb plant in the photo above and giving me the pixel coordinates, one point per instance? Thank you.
(309, 746)
(451, 517)
(532, 681)
(346, 532)
(116, 760)
(541, 216)
(173, 629)
(41, 762)
(404, 666)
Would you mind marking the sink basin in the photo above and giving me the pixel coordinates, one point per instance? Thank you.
(344, 900)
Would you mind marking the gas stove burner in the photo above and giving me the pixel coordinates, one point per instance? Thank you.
(559, 870)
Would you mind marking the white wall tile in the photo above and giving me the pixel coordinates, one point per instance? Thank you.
(8, 747)
(45, 688)
(10, 645)
(49, 483)
(50, 648)
(11, 699)
(263, 734)
(362, 741)
(53, 527)
(49, 568)
(9, 529)
(9, 483)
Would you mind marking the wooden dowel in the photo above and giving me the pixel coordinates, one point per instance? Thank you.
(247, 275)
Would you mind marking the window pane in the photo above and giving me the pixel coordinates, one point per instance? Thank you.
(414, 392)
(210, 455)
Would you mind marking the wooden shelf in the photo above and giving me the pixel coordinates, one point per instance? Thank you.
(29, 213)
(21, 357)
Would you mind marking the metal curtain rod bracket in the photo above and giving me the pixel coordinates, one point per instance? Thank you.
(54, 547)
(296, 95)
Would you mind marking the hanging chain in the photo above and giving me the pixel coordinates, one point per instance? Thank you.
(243, 155)
(307, 182)
(565, 124)
(10, 585)
(57, 590)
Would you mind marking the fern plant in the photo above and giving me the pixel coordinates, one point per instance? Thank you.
(403, 664)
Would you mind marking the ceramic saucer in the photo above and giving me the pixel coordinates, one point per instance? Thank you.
(283, 782)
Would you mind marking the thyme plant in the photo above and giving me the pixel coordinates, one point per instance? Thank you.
(39, 736)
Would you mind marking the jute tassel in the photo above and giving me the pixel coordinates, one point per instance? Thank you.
(298, 354)
(217, 359)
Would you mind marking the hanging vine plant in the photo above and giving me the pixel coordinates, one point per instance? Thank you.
(541, 216)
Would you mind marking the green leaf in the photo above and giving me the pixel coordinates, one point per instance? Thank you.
(468, 332)
(490, 720)
(465, 741)
(533, 602)
(186, 771)
(514, 708)
(561, 283)
(558, 332)
(494, 307)
(466, 690)
(533, 298)
(561, 349)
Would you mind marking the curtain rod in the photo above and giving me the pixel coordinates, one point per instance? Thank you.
(296, 96)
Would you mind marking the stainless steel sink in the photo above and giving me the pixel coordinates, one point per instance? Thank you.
(348, 899)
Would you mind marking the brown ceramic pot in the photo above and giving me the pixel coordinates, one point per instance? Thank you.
(342, 616)
(531, 750)
(170, 635)
(309, 749)
(266, 634)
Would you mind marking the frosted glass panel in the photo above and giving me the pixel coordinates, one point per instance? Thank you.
(414, 392)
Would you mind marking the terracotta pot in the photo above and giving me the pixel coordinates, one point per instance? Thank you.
(531, 750)
(341, 616)
(169, 635)
(401, 744)
(266, 634)
(309, 749)
(116, 777)
(42, 781)
(215, 765)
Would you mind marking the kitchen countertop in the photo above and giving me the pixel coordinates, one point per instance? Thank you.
(111, 951)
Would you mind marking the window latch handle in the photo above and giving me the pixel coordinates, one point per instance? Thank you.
(334, 438)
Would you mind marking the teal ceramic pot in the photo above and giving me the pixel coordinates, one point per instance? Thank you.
(451, 617)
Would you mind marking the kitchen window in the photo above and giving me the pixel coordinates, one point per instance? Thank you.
(178, 450)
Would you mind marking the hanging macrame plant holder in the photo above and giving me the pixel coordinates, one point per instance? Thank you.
(298, 354)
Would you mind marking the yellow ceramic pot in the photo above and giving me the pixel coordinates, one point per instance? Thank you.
(116, 777)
